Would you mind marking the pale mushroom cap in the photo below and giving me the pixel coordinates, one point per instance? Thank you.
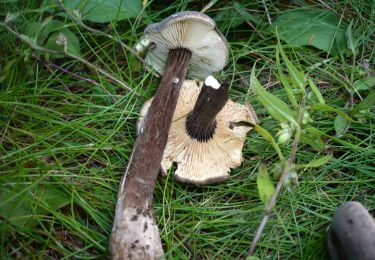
(206, 162)
(191, 30)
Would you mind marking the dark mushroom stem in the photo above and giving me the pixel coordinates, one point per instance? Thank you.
(201, 122)
(137, 185)
(149, 147)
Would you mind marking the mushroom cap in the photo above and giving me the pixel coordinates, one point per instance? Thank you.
(191, 30)
(205, 162)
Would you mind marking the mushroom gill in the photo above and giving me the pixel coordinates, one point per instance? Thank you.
(205, 161)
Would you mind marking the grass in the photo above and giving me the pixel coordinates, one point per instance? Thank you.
(65, 142)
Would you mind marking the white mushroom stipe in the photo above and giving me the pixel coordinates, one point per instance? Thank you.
(204, 162)
(142, 117)
(142, 45)
(142, 240)
(212, 82)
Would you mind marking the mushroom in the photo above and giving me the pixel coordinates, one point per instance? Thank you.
(351, 234)
(205, 139)
(189, 30)
(186, 39)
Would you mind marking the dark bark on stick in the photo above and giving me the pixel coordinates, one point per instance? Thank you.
(135, 234)
(201, 123)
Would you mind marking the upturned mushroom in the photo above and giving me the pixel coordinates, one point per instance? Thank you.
(207, 134)
(183, 40)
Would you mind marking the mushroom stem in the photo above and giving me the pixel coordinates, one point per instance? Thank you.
(201, 122)
(135, 233)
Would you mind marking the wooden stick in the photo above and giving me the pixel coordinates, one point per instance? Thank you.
(201, 123)
(135, 234)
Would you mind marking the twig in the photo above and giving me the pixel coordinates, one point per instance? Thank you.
(266, 9)
(51, 70)
(131, 50)
(325, 5)
(208, 6)
(289, 164)
(248, 22)
(34, 46)
(119, 82)
(188, 246)
(49, 65)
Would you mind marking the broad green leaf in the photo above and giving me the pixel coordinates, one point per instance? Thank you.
(311, 136)
(228, 18)
(252, 258)
(316, 91)
(28, 40)
(297, 77)
(341, 125)
(7, 70)
(100, 11)
(53, 26)
(275, 106)
(266, 135)
(315, 163)
(47, 20)
(351, 43)
(312, 27)
(245, 14)
(46, 35)
(14, 207)
(48, 199)
(366, 103)
(31, 29)
(364, 84)
(72, 43)
(265, 185)
(325, 107)
(19, 204)
(233, 15)
(284, 80)
(41, 31)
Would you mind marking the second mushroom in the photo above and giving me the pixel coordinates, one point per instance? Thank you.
(207, 134)
(183, 41)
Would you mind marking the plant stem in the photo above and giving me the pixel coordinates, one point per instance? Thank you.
(289, 164)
